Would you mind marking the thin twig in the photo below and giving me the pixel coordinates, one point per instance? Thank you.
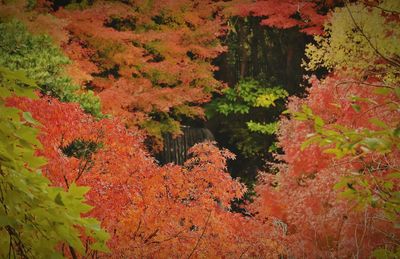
(362, 83)
(73, 254)
(384, 9)
(244, 251)
(391, 62)
(201, 236)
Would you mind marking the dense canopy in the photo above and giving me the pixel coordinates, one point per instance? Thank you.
(305, 93)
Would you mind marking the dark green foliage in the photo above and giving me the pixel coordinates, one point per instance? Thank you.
(81, 148)
(245, 119)
(247, 94)
(71, 4)
(249, 100)
(42, 61)
(122, 24)
(263, 53)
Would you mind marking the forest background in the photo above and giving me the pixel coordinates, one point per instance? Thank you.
(305, 93)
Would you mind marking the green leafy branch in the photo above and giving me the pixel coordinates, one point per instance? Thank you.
(35, 217)
(245, 95)
(376, 184)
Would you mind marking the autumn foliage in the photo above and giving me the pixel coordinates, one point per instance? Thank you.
(305, 15)
(337, 188)
(149, 63)
(148, 210)
(315, 222)
(332, 191)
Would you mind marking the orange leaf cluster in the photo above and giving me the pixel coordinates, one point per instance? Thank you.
(151, 61)
(146, 59)
(284, 14)
(150, 211)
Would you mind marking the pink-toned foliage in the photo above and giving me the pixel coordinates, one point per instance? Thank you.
(301, 202)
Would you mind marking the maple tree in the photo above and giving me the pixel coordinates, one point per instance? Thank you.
(306, 15)
(35, 217)
(147, 209)
(342, 141)
(265, 48)
(149, 63)
(314, 222)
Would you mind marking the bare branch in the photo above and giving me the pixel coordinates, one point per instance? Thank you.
(391, 62)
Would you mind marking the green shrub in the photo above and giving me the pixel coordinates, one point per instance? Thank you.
(42, 61)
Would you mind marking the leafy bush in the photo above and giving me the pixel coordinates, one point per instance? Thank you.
(241, 106)
(44, 63)
(34, 217)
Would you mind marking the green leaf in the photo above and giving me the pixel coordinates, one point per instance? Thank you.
(309, 141)
(7, 221)
(361, 99)
(381, 253)
(98, 246)
(58, 200)
(341, 184)
(396, 132)
(264, 128)
(388, 185)
(394, 175)
(307, 110)
(33, 206)
(28, 117)
(382, 90)
(397, 91)
(319, 122)
(376, 144)
(300, 116)
(356, 107)
(36, 162)
(378, 123)
(78, 190)
(337, 152)
(41, 65)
